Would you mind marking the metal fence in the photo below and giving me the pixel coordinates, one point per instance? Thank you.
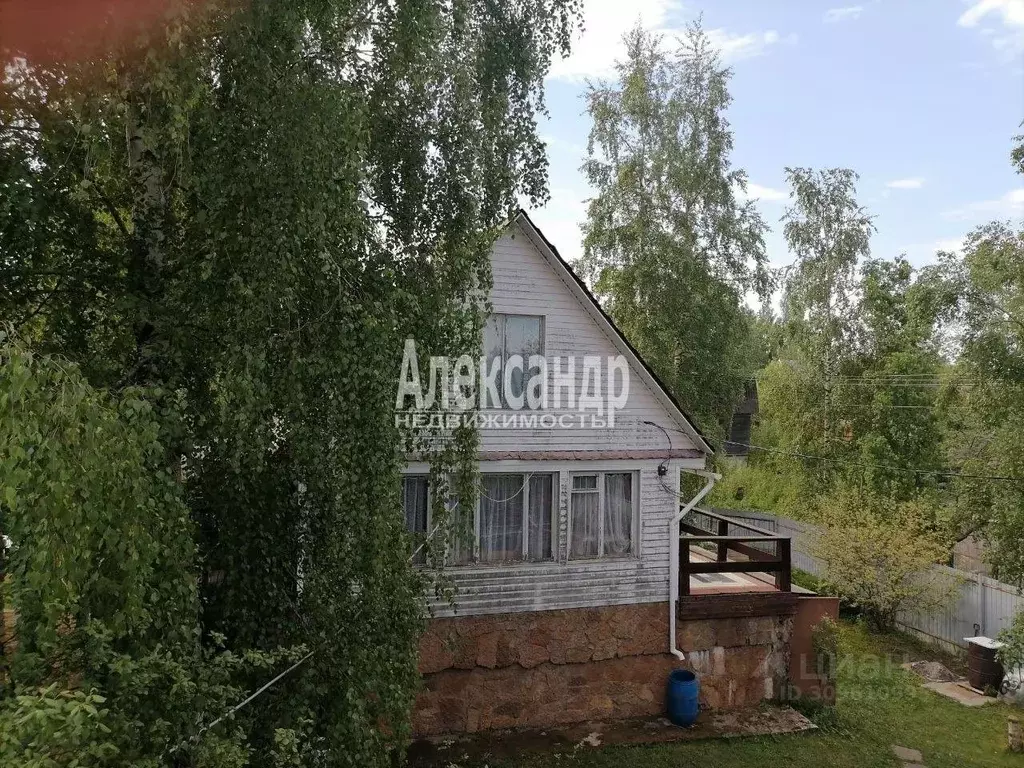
(985, 606)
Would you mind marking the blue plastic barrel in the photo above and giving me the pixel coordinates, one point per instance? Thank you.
(683, 697)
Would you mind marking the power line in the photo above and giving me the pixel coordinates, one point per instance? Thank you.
(199, 734)
(844, 462)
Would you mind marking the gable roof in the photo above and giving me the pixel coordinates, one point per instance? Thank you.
(590, 303)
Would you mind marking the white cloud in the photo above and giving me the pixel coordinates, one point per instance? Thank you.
(1011, 12)
(1008, 206)
(763, 193)
(914, 183)
(849, 13)
(734, 47)
(1007, 36)
(596, 49)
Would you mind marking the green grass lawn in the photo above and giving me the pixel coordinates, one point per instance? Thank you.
(879, 705)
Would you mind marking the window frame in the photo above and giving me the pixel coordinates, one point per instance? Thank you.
(427, 526)
(474, 559)
(634, 524)
(502, 405)
(525, 495)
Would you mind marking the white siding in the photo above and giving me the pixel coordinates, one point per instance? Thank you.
(525, 283)
(568, 583)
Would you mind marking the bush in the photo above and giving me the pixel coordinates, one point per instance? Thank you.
(107, 667)
(1011, 655)
(825, 642)
(878, 556)
(762, 485)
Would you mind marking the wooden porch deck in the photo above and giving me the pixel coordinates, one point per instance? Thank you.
(722, 555)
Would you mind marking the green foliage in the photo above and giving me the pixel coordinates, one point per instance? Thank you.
(763, 485)
(877, 555)
(1011, 655)
(828, 232)
(99, 529)
(907, 385)
(872, 419)
(669, 244)
(984, 400)
(49, 727)
(106, 667)
(825, 642)
(230, 226)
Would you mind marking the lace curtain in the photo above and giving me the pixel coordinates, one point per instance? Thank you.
(501, 518)
(586, 517)
(415, 503)
(618, 513)
(504, 500)
(598, 531)
(539, 523)
(460, 550)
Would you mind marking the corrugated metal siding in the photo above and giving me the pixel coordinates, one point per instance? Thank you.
(575, 584)
(985, 607)
(525, 283)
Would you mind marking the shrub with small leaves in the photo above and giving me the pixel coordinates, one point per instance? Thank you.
(825, 643)
(1011, 655)
(878, 556)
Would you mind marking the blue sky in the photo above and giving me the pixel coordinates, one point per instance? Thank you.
(920, 97)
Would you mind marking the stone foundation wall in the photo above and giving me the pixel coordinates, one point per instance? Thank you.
(547, 668)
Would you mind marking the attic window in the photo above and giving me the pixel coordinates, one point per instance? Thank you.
(507, 336)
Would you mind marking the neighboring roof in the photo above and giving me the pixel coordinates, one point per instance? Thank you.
(749, 403)
(589, 301)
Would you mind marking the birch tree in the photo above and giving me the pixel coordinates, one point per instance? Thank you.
(236, 218)
(669, 243)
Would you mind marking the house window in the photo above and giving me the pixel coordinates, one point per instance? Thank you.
(505, 336)
(416, 505)
(601, 515)
(513, 521)
(515, 518)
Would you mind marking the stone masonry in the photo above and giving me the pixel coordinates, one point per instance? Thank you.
(546, 668)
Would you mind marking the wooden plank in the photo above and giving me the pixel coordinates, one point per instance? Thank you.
(734, 566)
(736, 605)
(723, 547)
(739, 539)
(753, 553)
(784, 578)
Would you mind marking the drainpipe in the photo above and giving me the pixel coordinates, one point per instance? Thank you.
(673, 549)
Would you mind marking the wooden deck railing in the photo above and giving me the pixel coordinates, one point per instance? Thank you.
(759, 560)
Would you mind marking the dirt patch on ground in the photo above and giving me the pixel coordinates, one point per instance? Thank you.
(567, 741)
(933, 672)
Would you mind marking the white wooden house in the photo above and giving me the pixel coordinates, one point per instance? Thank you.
(557, 480)
(567, 605)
